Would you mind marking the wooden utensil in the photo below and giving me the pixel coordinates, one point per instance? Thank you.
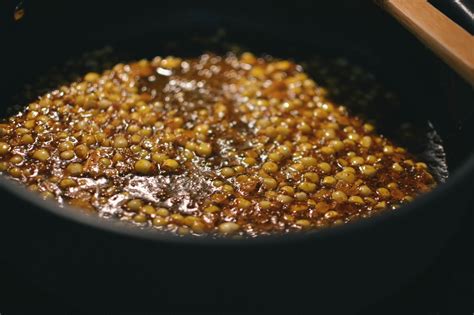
(452, 43)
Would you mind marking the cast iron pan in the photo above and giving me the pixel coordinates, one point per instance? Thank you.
(83, 259)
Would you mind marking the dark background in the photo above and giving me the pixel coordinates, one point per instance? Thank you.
(445, 287)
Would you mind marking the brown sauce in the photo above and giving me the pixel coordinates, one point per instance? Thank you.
(213, 145)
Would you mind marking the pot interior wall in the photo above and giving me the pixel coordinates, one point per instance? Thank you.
(431, 110)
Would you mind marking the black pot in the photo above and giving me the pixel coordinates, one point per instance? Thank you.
(83, 259)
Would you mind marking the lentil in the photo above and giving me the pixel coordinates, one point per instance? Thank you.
(170, 164)
(27, 139)
(228, 227)
(325, 167)
(4, 148)
(329, 180)
(339, 196)
(67, 155)
(159, 221)
(307, 187)
(269, 183)
(41, 155)
(227, 172)
(143, 166)
(162, 212)
(365, 190)
(270, 167)
(383, 192)
(367, 170)
(134, 205)
(356, 199)
(311, 177)
(74, 169)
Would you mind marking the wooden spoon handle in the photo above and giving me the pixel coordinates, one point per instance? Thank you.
(451, 42)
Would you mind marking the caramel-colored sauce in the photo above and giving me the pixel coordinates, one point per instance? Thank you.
(222, 145)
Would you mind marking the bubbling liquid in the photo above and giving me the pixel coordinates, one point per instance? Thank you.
(219, 144)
